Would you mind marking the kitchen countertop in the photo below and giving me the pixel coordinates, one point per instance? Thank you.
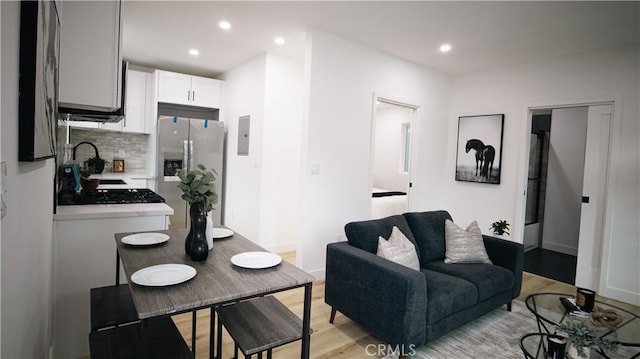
(124, 176)
(97, 211)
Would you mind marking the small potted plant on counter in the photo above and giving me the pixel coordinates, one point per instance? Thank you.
(85, 172)
(96, 164)
(500, 228)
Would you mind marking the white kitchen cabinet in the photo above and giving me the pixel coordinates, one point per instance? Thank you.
(90, 55)
(188, 90)
(85, 258)
(138, 103)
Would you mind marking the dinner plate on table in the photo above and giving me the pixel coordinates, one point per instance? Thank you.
(145, 239)
(219, 233)
(163, 275)
(256, 260)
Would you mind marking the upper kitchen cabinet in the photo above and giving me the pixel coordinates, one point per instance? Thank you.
(188, 90)
(90, 55)
(138, 103)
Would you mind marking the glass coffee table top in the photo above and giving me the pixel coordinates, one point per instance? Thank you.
(550, 312)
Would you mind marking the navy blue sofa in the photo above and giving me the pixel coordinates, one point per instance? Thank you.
(404, 307)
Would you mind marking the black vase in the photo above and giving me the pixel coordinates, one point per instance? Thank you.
(196, 242)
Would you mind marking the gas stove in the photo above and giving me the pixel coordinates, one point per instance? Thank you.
(116, 196)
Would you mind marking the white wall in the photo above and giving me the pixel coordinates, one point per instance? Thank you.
(389, 148)
(563, 199)
(281, 160)
(262, 189)
(341, 78)
(604, 75)
(244, 94)
(27, 229)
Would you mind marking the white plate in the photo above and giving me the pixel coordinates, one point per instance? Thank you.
(163, 274)
(256, 260)
(145, 239)
(222, 232)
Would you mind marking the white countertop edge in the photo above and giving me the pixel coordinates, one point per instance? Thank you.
(97, 211)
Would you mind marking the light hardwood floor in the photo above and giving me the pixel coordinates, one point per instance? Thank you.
(343, 338)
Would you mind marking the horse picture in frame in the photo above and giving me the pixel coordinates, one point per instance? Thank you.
(479, 148)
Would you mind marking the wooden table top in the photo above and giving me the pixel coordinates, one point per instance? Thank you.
(217, 280)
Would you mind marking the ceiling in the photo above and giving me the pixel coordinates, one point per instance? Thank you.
(483, 35)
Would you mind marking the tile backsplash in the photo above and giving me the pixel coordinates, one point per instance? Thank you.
(109, 144)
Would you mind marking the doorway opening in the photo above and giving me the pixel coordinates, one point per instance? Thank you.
(558, 237)
(391, 157)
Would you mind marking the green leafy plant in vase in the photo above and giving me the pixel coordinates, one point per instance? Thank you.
(581, 339)
(500, 227)
(198, 189)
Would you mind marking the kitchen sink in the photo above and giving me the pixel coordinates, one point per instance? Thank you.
(112, 181)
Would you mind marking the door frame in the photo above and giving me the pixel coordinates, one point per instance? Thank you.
(378, 97)
(611, 167)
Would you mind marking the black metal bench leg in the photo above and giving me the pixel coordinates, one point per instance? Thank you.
(509, 307)
(269, 353)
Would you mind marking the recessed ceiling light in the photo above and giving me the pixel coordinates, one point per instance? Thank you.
(194, 52)
(224, 25)
(279, 40)
(445, 48)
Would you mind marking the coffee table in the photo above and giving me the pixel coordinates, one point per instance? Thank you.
(549, 313)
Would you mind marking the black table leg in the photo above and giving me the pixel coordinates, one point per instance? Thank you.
(219, 344)
(306, 323)
(117, 267)
(143, 347)
(193, 333)
(212, 322)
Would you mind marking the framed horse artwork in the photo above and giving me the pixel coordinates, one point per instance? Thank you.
(479, 149)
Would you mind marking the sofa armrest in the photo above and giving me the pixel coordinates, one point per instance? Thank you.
(509, 255)
(388, 299)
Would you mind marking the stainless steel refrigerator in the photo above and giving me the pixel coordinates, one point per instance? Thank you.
(185, 143)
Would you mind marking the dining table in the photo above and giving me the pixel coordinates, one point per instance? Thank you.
(217, 281)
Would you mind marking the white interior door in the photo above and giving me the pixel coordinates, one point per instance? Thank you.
(565, 173)
(391, 157)
(593, 201)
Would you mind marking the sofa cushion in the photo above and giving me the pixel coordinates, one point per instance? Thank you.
(447, 294)
(487, 278)
(398, 248)
(364, 234)
(464, 246)
(428, 230)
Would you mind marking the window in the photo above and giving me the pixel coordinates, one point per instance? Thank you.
(406, 147)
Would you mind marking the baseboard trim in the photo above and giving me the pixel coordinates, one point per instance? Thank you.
(572, 251)
(281, 248)
(319, 274)
(621, 295)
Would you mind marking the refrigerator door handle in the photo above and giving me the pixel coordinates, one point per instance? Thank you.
(185, 155)
(191, 166)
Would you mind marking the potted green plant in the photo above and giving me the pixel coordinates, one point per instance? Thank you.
(198, 189)
(96, 164)
(500, 227)
(85, 172)
(581, 338)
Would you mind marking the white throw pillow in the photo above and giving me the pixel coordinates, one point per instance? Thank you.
(464, 246)
(398, 249)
